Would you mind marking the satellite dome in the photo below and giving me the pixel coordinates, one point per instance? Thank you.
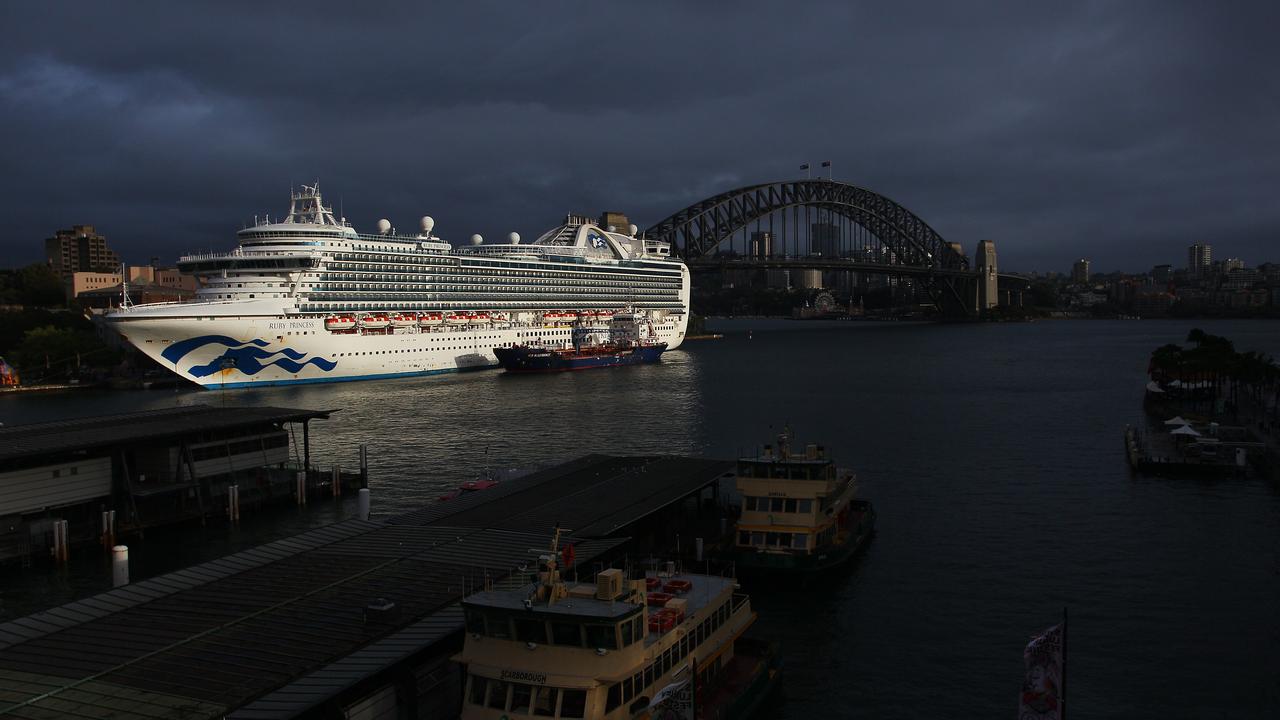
(611, 228)
(476, 239)
(427, 223)
(384, 226)
(514, 238)
(632, 230)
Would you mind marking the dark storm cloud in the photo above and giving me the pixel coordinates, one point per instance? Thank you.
(1120, 131)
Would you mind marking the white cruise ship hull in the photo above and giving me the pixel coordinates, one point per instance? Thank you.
(243, 351)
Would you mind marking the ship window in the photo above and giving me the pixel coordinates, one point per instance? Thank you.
(566, 634)
(544, 701)
(757, 538)
(805, 506)
(799, 541)
(648, 676)
(615, 697)
(534, 631)
(778, 504)
(475, 622)
(498, 694)
(498, 627)
(744, 538)
(573, 703)
(521, 694)
(791, 506)
(478, 685)
(602, 636)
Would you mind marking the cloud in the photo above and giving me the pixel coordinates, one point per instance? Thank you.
(1121, 131)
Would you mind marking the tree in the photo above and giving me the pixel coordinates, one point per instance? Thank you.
(39, 286)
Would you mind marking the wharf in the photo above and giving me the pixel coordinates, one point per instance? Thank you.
(298, 627)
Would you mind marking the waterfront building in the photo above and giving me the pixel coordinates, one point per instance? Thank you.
(988, 285)
(156, 283)
(762, 245)
(80, 249)
(1080, 272)
(1162, 274)
(1199, 259)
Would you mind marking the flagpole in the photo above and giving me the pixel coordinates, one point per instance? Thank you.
(1063, 702)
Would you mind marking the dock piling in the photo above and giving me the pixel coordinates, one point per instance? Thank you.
(302, 488)
(108, 529)
(364, 465)
(61, 551)
(119, 565)
(336, 485)
(233, 504)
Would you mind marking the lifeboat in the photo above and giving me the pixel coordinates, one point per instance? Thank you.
(430, 318)
(456, 318)
(480, 318)
(375, 321)
(499, 318)
(340, 323)
(404, 319)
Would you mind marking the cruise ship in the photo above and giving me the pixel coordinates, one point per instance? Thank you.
(308, 299)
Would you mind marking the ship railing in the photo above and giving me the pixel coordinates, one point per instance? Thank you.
(544, 250)
(247, 253)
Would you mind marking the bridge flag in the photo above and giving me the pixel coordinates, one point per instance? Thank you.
(826, 163)
(804, 166)
(1043, 686)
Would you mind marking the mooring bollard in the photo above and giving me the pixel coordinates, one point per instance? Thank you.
(119, 565)
(233, 504)
(302, 488)
(362, 504)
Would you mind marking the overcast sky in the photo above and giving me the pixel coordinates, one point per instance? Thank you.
(1119, 131)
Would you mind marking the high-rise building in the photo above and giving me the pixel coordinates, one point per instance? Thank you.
(1080, 272)
(1232, 264)
(80, 249)
(1162, 274)
(761, 245)
(824, 239)
(1199, 258)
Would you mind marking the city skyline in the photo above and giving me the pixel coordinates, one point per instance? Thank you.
(1059, 133)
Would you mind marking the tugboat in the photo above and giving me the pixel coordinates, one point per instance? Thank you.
(630, 341)
(644, 644)
(799, 512)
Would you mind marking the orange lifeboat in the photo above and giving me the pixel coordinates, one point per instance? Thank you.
(429, 319)
(404, 319)
(480, 318)
(340, 323)
(456, 318)
(375, 321)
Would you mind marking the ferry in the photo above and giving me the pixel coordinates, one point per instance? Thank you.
(308, 299)
(640, 644)
(800, 513)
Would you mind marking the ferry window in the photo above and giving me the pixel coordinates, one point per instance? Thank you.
(478, 686)
(498, 627)
(602, 636)
(615, 698)
(534, 631)
(757, 538)
(704, 630)
(544, 701)
(805, 506)
(799, 541)
(744, 538)
(521, 694)
(566, 634)
(573, 703)
(628, 634)
(778, 504)
(648, 676)
(638, 623)
(791, 506)
(475, 622)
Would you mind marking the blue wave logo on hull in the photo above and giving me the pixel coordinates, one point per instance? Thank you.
(247, 357)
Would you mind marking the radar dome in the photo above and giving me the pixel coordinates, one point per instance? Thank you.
(476, 239)
(612, 228)
(384, 226)
(427, 223)
(514, 238)
(632, 230)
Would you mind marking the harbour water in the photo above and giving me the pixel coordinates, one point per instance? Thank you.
(993, 455)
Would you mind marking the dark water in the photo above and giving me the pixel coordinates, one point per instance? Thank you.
(994, 456)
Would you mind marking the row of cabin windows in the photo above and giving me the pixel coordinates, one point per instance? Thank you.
(359, 261)
(634, 686)
(797, 541)
(537, 700)
(782, 471)
(542, 632)
(777, 505)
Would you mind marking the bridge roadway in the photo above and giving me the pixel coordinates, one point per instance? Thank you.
(280, 630)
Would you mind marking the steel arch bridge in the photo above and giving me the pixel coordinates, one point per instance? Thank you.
(902, 242)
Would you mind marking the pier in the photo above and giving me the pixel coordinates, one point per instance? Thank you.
(100, 478)
(355, 619)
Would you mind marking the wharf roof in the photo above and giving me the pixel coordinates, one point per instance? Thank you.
(273, 631)
(104, 431)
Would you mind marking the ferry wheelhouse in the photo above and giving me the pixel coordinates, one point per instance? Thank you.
(799, 512)
(309, 299)
(619, 647)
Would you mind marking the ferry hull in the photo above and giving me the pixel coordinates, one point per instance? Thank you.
(530, 360)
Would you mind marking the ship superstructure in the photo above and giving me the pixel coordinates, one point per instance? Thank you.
(309, 299)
